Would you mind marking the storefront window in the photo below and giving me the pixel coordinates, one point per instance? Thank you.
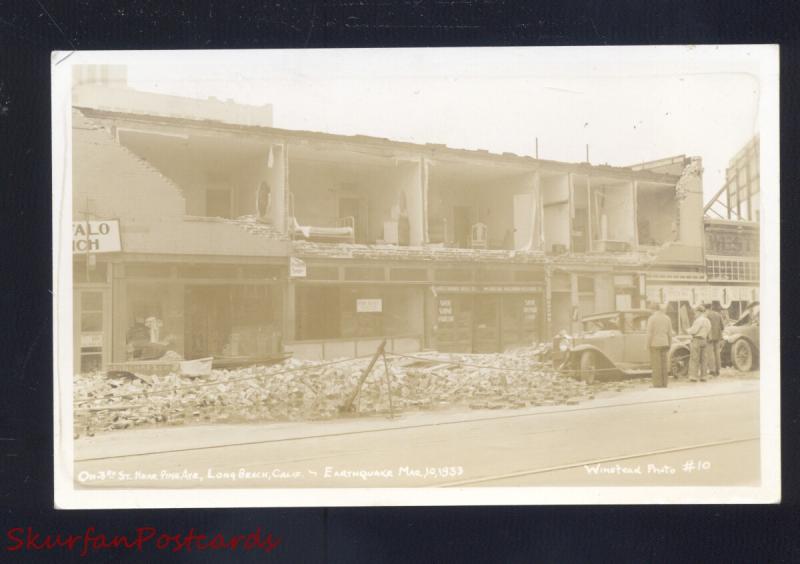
(144, 330)
(145, 300)
(358, 312)
(231, 320)
(317, 312)
(91, 312)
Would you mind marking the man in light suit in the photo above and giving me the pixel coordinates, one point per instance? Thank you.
(699, 331)
(659, 340)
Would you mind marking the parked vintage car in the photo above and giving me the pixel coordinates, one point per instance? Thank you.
(612, 346)
(741, 346)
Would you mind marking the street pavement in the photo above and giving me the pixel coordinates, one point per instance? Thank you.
(687, 435)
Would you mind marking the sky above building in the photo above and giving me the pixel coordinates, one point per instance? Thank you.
(628, 105)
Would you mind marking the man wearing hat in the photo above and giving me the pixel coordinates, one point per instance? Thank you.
(659, 339)
(699, 332)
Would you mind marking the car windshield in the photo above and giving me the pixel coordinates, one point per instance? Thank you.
(631, 322)
(609, 323)
(635, 321)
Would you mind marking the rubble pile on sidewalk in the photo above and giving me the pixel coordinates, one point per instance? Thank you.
(308, 390)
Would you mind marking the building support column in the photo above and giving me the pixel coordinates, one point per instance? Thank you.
(535, 237)
(635, 193)
(119, 313)
(430, 302)
(574, 301)
(548, 302)
(277, 177)
(571, 209)
(289, 306)
(416, 201)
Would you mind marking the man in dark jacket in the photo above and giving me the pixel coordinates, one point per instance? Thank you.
(714, 340)
(659, 340)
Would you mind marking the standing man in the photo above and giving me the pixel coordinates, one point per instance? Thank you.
(714, 340)
(659, 339)
(699, 332)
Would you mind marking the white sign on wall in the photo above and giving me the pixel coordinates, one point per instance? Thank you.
(371, 305)
(92, 340)
(297, 268)
(96, 236)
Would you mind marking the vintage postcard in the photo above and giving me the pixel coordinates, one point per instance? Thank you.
(416, 277)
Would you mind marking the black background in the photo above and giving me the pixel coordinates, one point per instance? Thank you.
(30, 29)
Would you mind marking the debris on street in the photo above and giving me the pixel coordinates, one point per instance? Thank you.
(297, 390)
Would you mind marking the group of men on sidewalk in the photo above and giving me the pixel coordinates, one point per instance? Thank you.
(705, 347)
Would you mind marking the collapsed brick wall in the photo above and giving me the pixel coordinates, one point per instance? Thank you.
(120, 184)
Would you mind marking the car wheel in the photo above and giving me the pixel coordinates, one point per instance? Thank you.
(679, 363)
(588, 371)
(742, 355)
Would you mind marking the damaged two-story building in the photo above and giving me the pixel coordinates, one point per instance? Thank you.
(236, 238)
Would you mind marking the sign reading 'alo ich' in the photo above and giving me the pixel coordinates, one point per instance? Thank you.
(96, 236)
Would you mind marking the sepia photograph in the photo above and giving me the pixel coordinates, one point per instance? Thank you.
(460, 276)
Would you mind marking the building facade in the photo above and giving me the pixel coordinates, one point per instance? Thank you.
(229, 237)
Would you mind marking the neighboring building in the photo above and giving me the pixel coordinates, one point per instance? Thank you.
(732, 264)
(739, 198)
(732, 241)
(242, 239)
(731, 247)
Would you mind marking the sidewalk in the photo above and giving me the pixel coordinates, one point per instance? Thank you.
(143, 441)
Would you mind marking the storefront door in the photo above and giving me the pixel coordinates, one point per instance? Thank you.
(92, 337)
(454, 323)
(520, 320)
(486, 326)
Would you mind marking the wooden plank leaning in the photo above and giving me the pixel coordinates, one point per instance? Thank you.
(348, 405)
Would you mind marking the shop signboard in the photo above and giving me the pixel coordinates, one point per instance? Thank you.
(472, 289)
(96, 236)
(445, 311)
(530, 310)
(369, 305)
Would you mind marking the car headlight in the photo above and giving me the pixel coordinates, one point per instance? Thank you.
(563, 345)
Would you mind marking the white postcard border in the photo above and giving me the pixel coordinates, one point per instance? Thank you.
(67, 496)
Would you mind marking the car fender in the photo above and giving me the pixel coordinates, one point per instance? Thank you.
(575, 353)
(736, 338)
(678, 347)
